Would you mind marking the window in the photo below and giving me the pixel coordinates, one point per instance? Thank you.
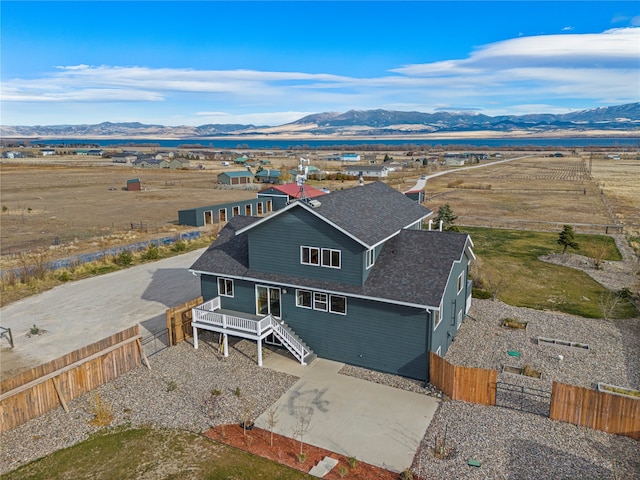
(269, 206)
(236, 211)
(247, 210)
(459, 319)
(310, 256)
(439, 351)
(436, 318)
(320, 301)
(225, 287)
(338, 304)
(330, 258)
(371, 258)
(260, 209)
(222, 214)
(460, 282)
(303, 298)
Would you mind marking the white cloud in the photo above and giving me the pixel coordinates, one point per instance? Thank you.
(502, 77)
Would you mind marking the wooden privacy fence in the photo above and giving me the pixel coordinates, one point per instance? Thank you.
(43, 388)
(598, 410)
(475, 385)
(179, 321)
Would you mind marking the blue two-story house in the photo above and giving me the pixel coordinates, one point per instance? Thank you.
(350, 276)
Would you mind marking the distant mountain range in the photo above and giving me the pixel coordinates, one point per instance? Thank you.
(365, 123)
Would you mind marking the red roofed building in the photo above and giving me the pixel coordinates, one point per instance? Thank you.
(283, 194)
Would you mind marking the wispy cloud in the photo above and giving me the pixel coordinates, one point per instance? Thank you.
(502, 77)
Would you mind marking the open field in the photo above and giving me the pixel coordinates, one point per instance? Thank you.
(81, 203)
(537, 193)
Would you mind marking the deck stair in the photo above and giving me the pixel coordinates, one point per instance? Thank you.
(209, 316)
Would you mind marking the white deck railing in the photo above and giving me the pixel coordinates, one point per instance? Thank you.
(206, 314)
(292, 343)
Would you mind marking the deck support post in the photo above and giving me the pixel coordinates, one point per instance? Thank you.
(225, 344)
(259, 352)
(195, 337)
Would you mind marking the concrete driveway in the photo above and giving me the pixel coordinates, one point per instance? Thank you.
(377, 424)
(79, 313)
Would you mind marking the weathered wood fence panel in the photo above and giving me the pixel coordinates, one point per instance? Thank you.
(43, 388)
(598, 410)
(475, 385)
(179, 321)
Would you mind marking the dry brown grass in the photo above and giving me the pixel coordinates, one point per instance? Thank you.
(541, 192)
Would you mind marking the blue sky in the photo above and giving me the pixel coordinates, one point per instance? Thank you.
(269, 63)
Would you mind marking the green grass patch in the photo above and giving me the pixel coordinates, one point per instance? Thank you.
(511, 258)
(152, 453)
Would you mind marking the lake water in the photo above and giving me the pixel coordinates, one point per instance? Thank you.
(324, 144)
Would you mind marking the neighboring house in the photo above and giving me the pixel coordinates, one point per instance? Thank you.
(350, 277)
(454, 161)
(95, 152)
(12, 154)
(350, 157)
(282, 195)
(240, 177)
(241, 160)
(179, 163)
(47, 152)
(126, 158)
(375, 171)
(149, 161)
(223, 212)
(268, 176)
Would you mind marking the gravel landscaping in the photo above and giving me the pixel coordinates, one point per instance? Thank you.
(175, 393)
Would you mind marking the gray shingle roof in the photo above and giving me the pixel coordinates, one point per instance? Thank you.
(372, 212)
(413, 267)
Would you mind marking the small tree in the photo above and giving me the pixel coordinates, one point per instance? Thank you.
(272, 420)
(596, 251)
(445, 214)
(567, 238)
(608, 303)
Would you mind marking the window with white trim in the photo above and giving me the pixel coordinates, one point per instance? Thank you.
(436, 319)
(310, 255)
(460, 282)
(236, 211)
(304, 298)
(225, 287)
(371, 257)
(331, 258)
(459, 319)
(338, 304)
(320, 301)
(439, 351)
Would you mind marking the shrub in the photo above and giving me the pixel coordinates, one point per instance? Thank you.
(152, 253)
(406, 475)
(481, 294)
(102, 411)
(342, 471)
(302, 457)
(64, 276)
(125, 258)
(172, 386)
(353, 462)
(179, 246)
